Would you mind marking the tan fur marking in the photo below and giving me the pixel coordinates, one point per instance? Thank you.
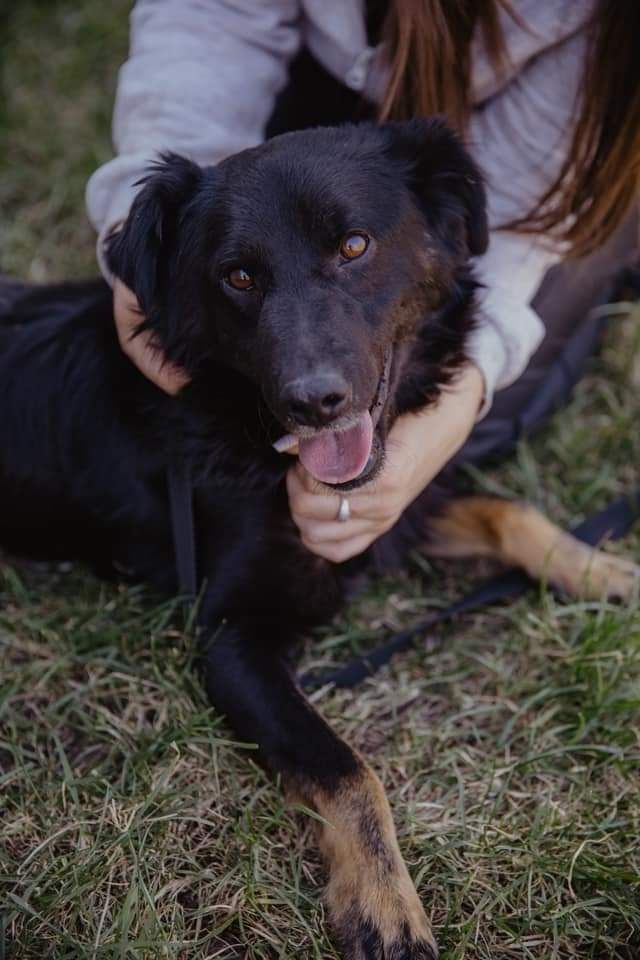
(369, 885)
(518, 534)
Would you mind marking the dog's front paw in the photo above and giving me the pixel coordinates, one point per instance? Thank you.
(375, 911)
(390, 925)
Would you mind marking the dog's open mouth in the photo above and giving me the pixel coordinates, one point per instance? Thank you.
(348, 449)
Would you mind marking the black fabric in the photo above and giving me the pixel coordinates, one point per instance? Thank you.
(375, 15)
(315, 98)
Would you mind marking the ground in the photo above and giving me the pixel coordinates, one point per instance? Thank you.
(132, 825)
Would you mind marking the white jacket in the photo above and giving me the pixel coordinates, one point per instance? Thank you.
(203, 75)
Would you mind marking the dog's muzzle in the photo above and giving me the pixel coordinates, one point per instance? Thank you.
(347, 448)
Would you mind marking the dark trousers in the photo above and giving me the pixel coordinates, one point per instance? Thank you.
(564, 301)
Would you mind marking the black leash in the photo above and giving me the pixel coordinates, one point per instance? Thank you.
(612, 522)
(183, 527)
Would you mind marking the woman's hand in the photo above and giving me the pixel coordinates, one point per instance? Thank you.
(141, 348)
(418, 447)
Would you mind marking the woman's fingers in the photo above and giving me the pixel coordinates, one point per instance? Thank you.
(141, 348)
(320, 504)
(316, 532)
(316, 516)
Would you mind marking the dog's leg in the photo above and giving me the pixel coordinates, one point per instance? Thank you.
(518, 534)
(373, 905)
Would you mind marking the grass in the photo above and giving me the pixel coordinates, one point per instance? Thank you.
(132, 825)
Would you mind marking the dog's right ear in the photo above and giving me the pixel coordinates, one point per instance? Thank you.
(139, 253)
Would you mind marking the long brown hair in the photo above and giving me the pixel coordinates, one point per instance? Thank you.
(429, 51)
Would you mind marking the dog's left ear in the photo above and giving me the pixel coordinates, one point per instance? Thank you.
(446, 181)
(140, 253)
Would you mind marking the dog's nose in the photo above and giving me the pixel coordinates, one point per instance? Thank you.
(318, 399)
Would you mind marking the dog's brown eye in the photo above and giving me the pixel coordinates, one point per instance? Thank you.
(239, 279)
(354, 245)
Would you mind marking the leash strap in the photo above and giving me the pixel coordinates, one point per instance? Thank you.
(612, 522)
(183, 527)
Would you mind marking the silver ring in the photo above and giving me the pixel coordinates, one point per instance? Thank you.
(344, 510)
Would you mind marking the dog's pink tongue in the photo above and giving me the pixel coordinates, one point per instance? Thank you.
(335, 457)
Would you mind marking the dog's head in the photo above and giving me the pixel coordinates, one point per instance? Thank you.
(307, 265)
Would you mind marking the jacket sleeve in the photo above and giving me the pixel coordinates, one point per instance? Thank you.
(201, 80)
(520, 138)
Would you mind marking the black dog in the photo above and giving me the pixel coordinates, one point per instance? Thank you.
(319, 286)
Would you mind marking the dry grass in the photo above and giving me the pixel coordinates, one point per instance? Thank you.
(132, 825)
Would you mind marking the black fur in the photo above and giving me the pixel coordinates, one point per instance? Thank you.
(85, 439)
